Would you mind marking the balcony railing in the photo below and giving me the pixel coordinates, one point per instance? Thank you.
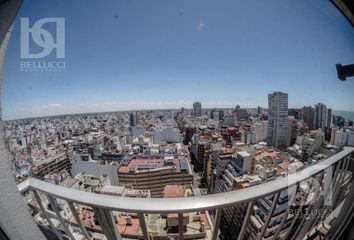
(327, 190)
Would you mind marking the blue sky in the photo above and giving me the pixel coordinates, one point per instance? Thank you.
(131, 54)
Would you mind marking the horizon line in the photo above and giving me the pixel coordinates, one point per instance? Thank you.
(135, 110)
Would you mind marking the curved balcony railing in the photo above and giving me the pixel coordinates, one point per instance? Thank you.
(328, 189)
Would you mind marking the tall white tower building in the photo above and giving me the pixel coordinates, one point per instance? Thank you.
(320, 116)
(278, 119)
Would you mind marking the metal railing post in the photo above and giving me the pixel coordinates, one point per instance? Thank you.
(54, 204)
(300, 207)
(269, 216)
(246, 220)
(290, 203)
(180, 226)
(301, 227)
(107, 223)
(215, 232)
(45, 214)
(143, 226)
(78, 220)
(346, 213)
(338, 184)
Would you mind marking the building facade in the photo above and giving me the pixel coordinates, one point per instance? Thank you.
(320, 116)
(309, 117)
(154, 172)
(278, 119)
(197, 109)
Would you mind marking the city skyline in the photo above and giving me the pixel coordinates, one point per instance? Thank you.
(347, 115)
(215, 54)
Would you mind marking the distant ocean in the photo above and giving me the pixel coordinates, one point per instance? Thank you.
(346, 114)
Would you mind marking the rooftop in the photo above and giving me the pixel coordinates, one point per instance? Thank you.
(140, 163)
(266, 153)
(173, 191)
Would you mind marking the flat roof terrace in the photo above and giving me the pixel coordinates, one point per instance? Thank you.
(150, 163)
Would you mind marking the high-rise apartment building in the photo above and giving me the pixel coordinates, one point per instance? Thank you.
(295, 112)
(344, 138)
(320, 116)
(216, 115)
(278, 119)
(329, 117)
(241, 113)
(290, 135)
(309, 117)
(197, 109)
(333, 135)
(133, 119)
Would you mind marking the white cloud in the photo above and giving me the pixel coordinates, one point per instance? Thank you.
(200, 26)
(54, 105)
